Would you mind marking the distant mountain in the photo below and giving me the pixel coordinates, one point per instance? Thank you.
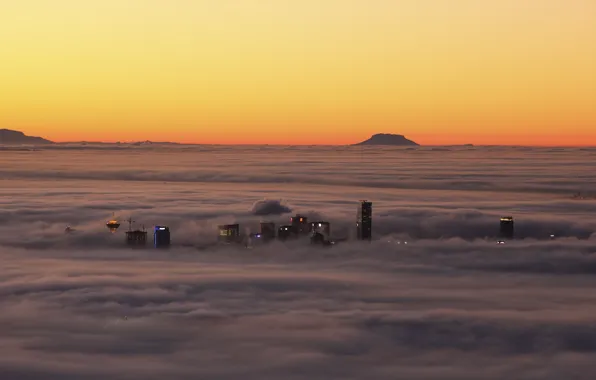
(10, 137)
(388, 139)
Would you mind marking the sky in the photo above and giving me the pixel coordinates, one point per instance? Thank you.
(300, 72)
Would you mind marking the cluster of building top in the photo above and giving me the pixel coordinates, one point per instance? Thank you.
(138, 237)
(319, 231)
(161, 237)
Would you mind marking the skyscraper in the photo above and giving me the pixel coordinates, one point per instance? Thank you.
(136, 237)
(364, 222)
(506, 230)
(285, 232)
(161, 237)
(229, 233)
(321, 227)
(300, 224)
(320, 233)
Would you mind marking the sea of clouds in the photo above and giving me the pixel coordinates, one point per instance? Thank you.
(451, 304)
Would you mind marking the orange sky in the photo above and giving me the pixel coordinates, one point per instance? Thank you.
(300, 71)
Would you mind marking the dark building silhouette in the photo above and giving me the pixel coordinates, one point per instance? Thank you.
(161, 236)
(506, 230)
(300, 224)
(285, 232)
(364, 222)
(267, 234)
(321, 227)
(267, 231)
(320, 233)
(135, 237)
(229, 233)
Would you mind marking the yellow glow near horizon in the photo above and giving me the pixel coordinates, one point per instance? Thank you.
(308, 71)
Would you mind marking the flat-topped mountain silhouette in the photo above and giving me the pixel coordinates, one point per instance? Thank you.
(388, 139)
(10, 137)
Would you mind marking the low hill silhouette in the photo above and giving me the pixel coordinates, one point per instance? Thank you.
(10, 137)
(388, 139)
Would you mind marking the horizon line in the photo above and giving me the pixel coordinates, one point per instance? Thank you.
(322, 145)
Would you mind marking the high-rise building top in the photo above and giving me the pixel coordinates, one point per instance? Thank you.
(321, 227)
(136, 237)
(229, 232)
(320, 233)
(364, 221)
(285, 232)
(506, 228)
(161, 236)
(300, 224)
(229, 229)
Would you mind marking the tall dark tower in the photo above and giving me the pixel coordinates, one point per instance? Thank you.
(161, 237)
(506, 228)
(364, 222)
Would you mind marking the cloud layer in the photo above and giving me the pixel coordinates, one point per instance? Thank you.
(451, 304)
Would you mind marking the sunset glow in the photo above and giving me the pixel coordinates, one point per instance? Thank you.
(519, 72)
